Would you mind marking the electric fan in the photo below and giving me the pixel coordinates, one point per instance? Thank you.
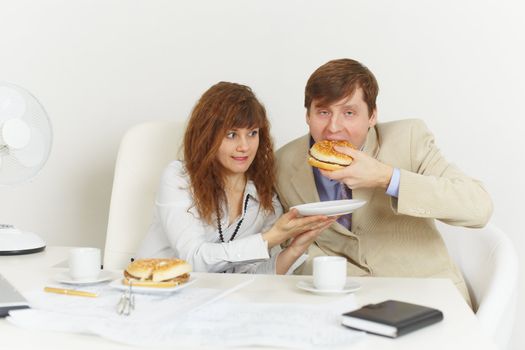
(25, 144)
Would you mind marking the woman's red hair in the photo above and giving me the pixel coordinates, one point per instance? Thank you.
(223, 107)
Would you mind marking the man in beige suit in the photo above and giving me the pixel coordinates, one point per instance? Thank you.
(397, 170)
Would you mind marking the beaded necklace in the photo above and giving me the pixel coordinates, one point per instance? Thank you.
(238, 224)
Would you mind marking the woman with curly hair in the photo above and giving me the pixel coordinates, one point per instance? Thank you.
(217, 208)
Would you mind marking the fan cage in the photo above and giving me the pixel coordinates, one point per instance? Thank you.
(12, 171)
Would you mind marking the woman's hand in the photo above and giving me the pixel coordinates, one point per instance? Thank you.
(290, 225)
(298, 246)
(301, 242)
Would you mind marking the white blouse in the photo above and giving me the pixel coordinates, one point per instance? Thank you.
(177, 231)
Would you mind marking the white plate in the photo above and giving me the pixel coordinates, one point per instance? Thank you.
(350, 286)
(330, 208)
(118, 284)
(64, 277)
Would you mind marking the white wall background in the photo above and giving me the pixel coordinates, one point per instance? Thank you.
(101, 66)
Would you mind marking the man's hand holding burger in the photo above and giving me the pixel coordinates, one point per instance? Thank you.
(362, 171)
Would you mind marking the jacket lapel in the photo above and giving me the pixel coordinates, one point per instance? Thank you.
(371, 146)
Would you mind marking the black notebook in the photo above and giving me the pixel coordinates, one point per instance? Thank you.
(391, 318)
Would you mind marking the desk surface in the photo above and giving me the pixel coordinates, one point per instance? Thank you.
(460, 328)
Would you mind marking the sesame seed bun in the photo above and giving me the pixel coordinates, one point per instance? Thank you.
(323, 155)
(159, 273)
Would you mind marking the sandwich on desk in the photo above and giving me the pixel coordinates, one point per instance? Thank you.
(391, 318)
(157, 273)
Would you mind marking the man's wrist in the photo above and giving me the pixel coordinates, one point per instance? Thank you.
(387, 176)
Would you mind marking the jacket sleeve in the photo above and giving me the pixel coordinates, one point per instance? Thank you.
(435, 188)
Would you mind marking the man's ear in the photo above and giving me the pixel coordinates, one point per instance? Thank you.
(372, 121)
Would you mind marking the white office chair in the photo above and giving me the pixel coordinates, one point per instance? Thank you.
(144, 152)
(489, 264)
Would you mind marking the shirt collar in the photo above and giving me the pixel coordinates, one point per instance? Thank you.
(251, 190)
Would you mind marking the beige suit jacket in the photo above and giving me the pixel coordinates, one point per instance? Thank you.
(393, 237)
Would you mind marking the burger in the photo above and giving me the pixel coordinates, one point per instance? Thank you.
(157, 273)
(323, 155)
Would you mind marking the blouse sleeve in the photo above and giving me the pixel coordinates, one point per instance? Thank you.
(186, 233)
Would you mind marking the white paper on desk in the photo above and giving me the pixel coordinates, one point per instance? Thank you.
(163, 320)
(286, 325)
(148, 307)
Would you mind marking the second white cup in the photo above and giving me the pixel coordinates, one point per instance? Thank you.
(84, 263)
(329, 272)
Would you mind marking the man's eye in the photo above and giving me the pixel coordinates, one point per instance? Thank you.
(323, 112)
(349, 113)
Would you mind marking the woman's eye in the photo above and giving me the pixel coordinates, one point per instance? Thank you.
(254, 132)
(230, 135)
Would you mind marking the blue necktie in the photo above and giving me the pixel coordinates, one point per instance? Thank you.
(345, 193)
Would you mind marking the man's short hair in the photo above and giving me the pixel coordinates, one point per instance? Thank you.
(340, 78)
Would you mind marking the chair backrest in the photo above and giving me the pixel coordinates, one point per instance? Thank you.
(144, 152)
(489, 264)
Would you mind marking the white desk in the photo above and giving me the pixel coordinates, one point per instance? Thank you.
(459, 329)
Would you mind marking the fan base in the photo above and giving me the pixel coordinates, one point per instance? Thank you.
(15, 242)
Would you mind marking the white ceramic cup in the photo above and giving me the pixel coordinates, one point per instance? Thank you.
(329, 272)
(84, 263)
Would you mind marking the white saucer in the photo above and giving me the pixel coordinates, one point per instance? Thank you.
(350, 286)
(64, 277)
(118, 284)
(330, 208)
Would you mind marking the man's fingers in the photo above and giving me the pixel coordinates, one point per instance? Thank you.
(348, 151)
